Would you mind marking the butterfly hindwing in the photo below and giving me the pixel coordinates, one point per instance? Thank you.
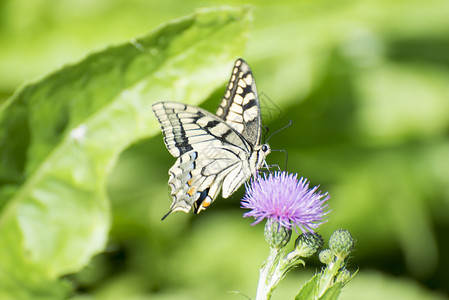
(240, 106)
(197, 177)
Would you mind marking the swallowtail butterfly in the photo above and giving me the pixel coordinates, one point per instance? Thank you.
(214, 152)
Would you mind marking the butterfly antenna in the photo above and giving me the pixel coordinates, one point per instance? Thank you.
(288, 125)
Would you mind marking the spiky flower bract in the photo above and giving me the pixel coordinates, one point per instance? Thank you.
(280, 197)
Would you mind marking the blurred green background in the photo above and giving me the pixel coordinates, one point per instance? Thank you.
(366, 85)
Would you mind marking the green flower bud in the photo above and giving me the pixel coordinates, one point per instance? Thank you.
(343, 276)
(276, 235)
(326, 256)
(308, 244)
(341, 243)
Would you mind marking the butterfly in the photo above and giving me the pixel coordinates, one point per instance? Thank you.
(214, 152)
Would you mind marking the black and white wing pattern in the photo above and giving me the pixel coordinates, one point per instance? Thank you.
(240, 106)
(214, 152)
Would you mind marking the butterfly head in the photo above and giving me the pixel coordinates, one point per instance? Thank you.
(265, 148)
(259, 155)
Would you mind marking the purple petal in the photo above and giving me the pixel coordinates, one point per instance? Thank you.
(282, 198)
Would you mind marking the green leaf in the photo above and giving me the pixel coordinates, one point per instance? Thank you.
(309, 288)
(333, 292)
(60, 136)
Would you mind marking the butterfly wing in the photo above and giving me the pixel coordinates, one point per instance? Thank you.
(240, 106)
(208, 151)
(197, 177)
(188, 128)
(213, 152)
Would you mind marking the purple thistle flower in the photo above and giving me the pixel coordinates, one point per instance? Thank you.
(281, 198)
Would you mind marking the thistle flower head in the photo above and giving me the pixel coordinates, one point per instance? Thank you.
(308, 244)
(280, 197)
(341, 243)
(276, 235)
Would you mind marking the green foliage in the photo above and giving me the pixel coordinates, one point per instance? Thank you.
(327, 284)
(60, 137)
(308, 291)
(333, 292)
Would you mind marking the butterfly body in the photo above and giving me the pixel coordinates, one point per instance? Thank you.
(214, 152)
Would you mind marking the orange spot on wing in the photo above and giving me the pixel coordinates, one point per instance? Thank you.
(206, 203)
(191, 191)
(190, 183)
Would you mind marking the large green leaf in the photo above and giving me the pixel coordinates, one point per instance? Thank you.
(60, 136)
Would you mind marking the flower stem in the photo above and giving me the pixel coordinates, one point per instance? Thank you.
(329, 274)
(268, 275)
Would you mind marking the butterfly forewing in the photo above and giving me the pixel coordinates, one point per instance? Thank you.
(187, 128)
(240, 106)
(214, 152)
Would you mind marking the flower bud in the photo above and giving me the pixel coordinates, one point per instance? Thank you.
(276, 235)
(326, 256)
(341, 243)
(308, 244)
(343, 276)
